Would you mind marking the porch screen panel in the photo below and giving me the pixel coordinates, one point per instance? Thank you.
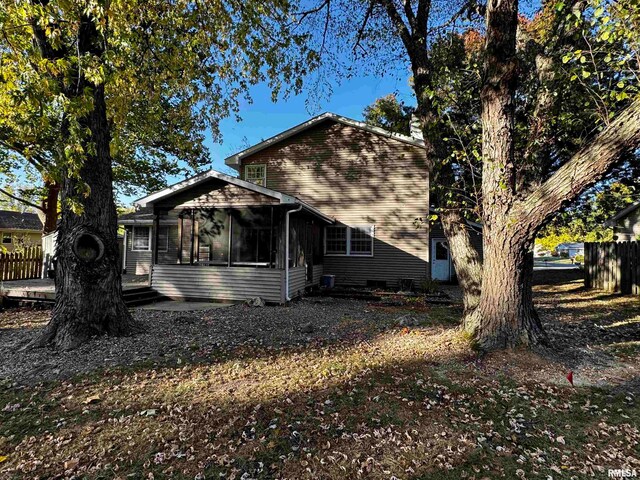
(213, 235)
(251, 237)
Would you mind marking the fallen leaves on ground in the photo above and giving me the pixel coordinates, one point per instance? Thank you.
(404, 404)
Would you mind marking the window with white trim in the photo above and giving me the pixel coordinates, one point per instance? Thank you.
(361, 241)
(335, 240)
(356, 241)
(6, 238)
(141, 239)
(163, 239)
(256, 174)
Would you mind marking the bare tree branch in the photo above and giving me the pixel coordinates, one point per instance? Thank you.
(362, 28)
(21, 200)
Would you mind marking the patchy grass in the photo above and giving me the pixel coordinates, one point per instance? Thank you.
(407, 403)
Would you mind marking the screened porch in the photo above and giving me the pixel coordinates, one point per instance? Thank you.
(236, 253)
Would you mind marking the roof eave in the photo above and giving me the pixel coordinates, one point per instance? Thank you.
(621, 214)
(193, 181)
(234, 160)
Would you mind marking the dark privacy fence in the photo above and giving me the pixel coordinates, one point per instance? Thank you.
(21, 265)
(613, 266)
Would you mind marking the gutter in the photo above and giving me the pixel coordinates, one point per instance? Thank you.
(124, 253)
(286, 252)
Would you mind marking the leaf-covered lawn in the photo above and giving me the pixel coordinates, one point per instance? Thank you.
(405, 403)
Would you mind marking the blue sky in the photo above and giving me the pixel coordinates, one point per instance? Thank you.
(264, 118)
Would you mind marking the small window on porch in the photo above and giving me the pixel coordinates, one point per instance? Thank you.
(163, 239)
(6, 238)
(141, 240)
(256, 174)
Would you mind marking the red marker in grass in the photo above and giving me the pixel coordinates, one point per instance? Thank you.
(570, 377)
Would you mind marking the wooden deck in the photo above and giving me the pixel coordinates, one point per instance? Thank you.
(44, 289)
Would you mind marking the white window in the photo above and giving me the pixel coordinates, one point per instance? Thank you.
(163, 239)
(256, 174)
(6, 238)
(141, 239)
(356, 241)
(361, 241)
(335, 241)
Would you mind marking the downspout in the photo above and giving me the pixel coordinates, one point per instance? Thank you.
(286, 253)
(124, 252)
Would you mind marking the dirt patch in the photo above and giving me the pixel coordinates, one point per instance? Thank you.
(170, 336)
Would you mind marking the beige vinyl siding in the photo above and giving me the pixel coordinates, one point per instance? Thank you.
(359, 178)
(138, 262)
(318, 271)
(297, 281)
(20, 239)
(218, 283)
(216, 193)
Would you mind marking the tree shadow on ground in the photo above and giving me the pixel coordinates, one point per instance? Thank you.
(410, 405)
(372, 403)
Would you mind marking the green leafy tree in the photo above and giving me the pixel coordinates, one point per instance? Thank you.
(553, 124)
(389, 113)
(85, 85)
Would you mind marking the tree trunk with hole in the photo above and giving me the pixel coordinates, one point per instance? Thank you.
(89, 299)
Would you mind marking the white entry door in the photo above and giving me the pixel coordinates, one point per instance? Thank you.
(440, 260)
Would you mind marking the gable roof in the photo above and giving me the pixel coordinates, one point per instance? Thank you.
(234, 160)
(621, 214)
(142, 216)
(19, 221)
(203, 177)
(568, 245)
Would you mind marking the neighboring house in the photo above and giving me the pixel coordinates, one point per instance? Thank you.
(19, 230)
(570, 250)
(331, 196)
(626, 224)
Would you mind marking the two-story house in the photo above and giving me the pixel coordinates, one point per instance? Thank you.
(331, 196)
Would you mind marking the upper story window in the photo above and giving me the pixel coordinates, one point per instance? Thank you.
(6, 238)
(141, 240)
(256, 174)
(354, 241)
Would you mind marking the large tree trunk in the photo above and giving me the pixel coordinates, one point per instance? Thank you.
(466, 259)
(89, 299)
(505, 315)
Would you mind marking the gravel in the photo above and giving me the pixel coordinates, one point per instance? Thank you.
(184, 336)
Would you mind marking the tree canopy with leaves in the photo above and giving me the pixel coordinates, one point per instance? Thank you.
(554, 96)
(85, 83)
(169, 76)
